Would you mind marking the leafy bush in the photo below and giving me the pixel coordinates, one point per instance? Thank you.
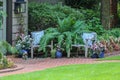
(4, 48)
(90, 4)
(108, 33)
(42, 15)
(4, 62)
(95, 25)
(114, 32)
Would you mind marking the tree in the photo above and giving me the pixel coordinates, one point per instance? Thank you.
(113, 11)
(109, 13)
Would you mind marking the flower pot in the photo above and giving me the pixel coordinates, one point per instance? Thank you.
(21, 52)
(58, 54)
(101, 55)
(94, 55)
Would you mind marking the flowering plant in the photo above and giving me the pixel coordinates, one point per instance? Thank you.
(23, 42)
(97, 47)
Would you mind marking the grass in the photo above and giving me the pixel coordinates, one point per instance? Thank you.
(99, 71)
(111, 58)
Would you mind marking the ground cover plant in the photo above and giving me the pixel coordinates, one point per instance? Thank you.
(98, 71)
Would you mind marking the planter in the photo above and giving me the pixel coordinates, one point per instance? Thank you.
(94, 55)
(23, 53)
(58, 54)
(101, 55)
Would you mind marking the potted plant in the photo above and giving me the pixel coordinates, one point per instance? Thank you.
(58, 52)
(97, 50)
(23, 43)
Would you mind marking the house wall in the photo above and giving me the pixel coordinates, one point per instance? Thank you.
(48, 1)
(16, 21)
(3, 26)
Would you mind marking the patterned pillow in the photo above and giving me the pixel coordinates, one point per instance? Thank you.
(36, 36)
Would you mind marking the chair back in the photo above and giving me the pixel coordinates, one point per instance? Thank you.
(89, 38)
(36, 36)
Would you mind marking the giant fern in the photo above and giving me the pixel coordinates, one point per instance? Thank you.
(67, 33)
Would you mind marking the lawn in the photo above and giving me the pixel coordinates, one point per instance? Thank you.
(99, 71)
(117, 57)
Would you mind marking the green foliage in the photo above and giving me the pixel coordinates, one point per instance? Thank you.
(6, 47)
(114, 32)
(1, 55)
(95, 25)
(53, 53)
(67, 33)
(108, 33)
(42, 15)
(5, 63)
(90, 4)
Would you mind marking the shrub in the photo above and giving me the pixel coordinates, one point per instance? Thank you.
(4, 48)
(82, 3)
(95, 26)
(5, 63)
(42, 15)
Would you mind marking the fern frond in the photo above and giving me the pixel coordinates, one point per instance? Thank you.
(61, 39)
(51, 30)
(80, 27)
(68, 40)
(46, 39)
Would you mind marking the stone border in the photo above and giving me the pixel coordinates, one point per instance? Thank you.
(18, 67)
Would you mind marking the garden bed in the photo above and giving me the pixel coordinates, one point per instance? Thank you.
(112, 53)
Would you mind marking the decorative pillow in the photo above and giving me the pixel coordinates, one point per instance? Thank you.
(36, 36)
(89, 37)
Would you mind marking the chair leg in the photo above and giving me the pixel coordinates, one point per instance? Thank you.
(68, 54)
(86, 51)
(31, 52)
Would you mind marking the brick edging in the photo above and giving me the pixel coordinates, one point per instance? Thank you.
(19, 67)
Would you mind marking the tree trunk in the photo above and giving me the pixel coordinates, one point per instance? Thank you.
(109, 13)
(113, 11)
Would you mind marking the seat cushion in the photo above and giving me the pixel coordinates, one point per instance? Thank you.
(36, 36)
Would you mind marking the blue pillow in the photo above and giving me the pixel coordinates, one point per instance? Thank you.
(36, 36)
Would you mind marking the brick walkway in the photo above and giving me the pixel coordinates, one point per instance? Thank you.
(44, 63)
